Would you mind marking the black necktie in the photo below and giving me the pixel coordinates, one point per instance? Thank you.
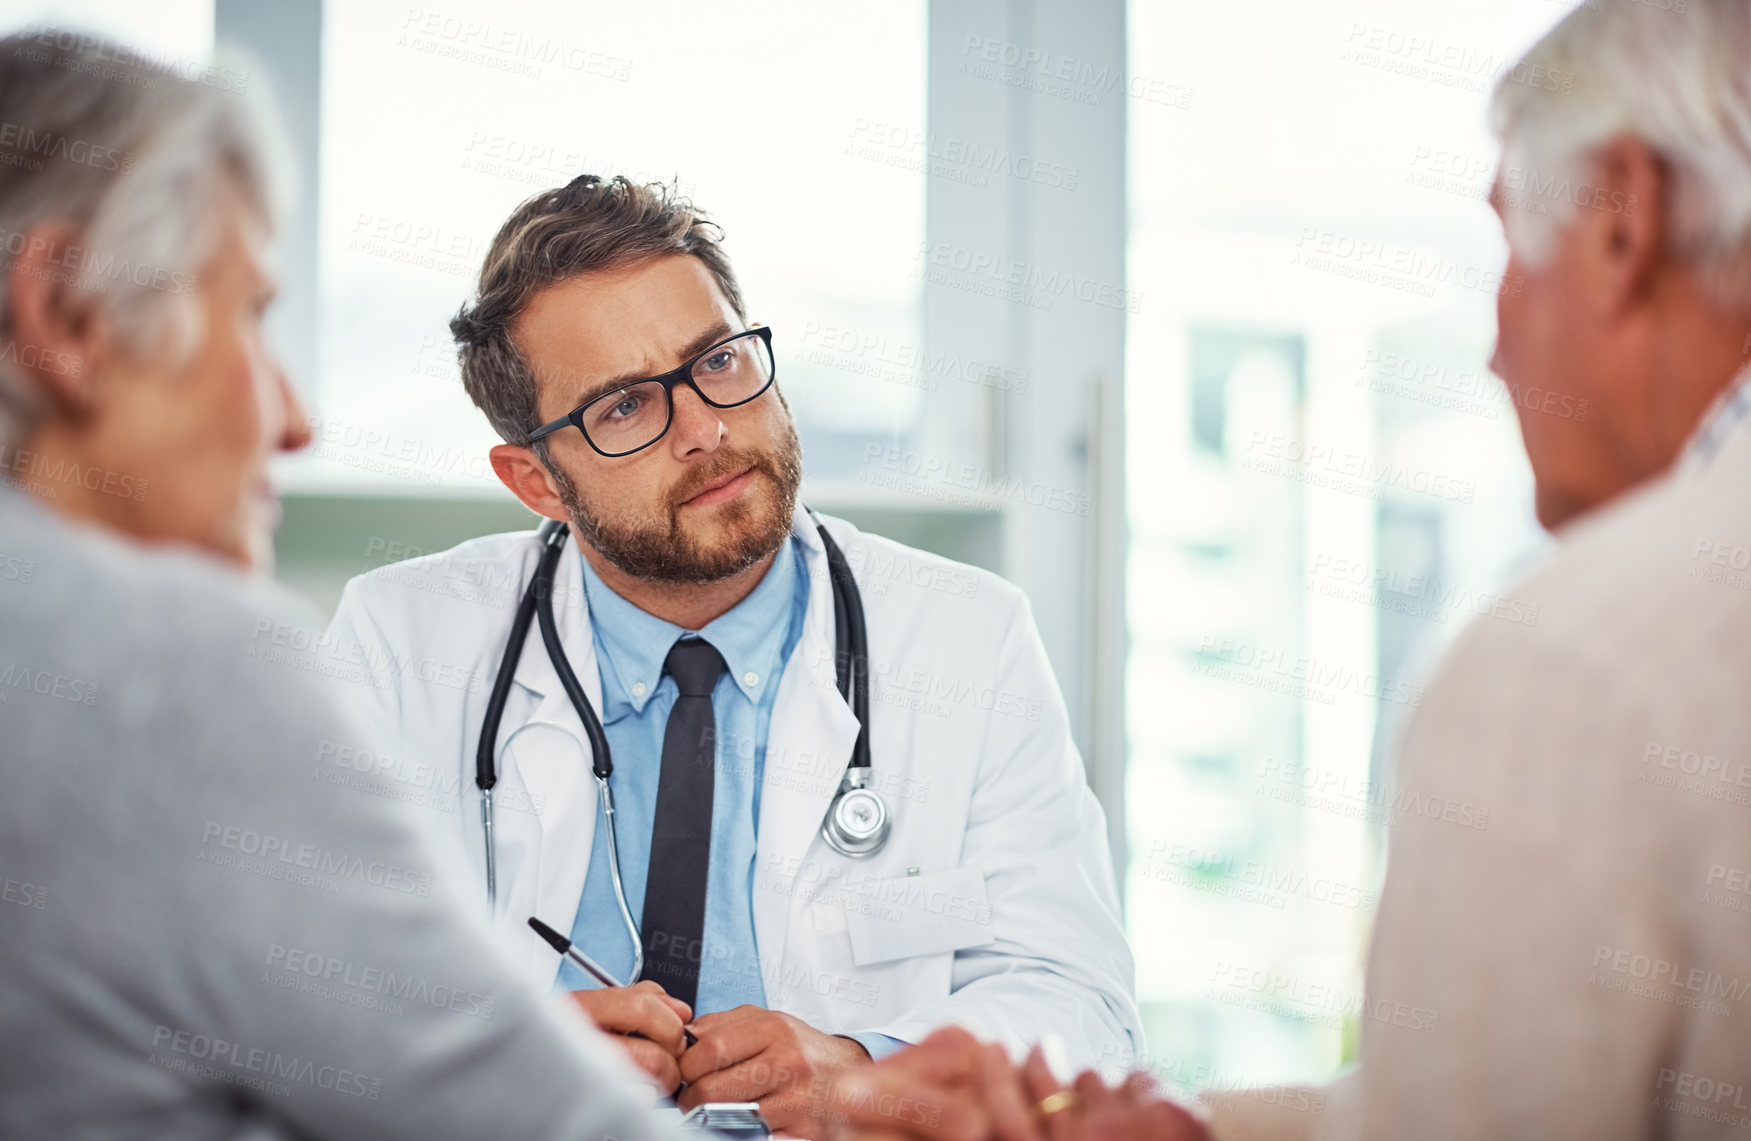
(674, 893)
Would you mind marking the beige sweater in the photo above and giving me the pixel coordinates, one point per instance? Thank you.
(1588, 953)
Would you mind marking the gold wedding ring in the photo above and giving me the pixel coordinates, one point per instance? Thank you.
(1053, 1103)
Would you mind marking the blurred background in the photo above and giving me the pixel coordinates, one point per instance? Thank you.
(1177, 314)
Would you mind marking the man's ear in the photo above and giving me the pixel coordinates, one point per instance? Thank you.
(56, 325)
(519, 469)
(1620, 221)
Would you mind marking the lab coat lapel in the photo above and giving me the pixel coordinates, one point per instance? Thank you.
(551, 757)
(808, 746)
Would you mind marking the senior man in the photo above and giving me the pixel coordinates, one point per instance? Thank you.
(1589, 953)
(197, 938)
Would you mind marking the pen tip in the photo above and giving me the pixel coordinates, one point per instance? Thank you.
(554, 939)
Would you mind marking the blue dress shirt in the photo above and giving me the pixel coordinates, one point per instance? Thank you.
(755, 637)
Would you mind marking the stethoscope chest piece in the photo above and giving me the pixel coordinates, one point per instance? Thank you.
(857, 821)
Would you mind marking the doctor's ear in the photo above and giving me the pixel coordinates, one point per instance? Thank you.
(56, 325)
(521, 470)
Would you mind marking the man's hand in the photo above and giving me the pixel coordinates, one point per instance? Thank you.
(645, 1010)
(754, 1054)
(951, 1087)
(1135, 1111)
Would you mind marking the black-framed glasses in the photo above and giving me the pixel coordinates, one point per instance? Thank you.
(637, 414)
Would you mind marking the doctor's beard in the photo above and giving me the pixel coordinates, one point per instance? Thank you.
(661, 550)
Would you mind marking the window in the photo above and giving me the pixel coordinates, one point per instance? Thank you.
(178, 32)
(1324, 484)
(791, 123)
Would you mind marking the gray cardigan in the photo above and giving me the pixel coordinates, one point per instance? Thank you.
(207, 928)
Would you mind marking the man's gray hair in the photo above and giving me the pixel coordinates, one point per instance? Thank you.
(1675, 74)
(129, 152)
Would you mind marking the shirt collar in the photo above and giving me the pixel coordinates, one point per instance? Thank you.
(1731, 408)
(633, 644)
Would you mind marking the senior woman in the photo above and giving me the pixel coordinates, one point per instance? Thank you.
(198, 938)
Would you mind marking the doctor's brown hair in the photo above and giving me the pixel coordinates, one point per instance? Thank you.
(589, 224)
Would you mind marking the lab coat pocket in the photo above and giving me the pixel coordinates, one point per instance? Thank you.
(901, 917)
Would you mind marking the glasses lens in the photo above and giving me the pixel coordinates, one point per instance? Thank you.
(735, 371)
(628, 418)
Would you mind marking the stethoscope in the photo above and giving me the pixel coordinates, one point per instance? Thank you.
(857, 821)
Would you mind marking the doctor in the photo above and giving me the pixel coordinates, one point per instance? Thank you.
(608, 346)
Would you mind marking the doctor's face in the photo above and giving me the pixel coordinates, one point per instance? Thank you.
(715, 494)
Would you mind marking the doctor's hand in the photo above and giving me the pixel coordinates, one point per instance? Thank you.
(643, 1009)
(754, 1054)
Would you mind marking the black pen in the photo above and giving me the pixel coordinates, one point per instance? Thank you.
(592, 968)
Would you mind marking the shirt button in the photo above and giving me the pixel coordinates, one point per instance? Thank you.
(638, 689)
(750, 678)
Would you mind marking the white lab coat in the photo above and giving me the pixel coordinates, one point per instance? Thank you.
(993, 905)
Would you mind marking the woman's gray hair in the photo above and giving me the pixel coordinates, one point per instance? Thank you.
(1675, 74)
(129, 152)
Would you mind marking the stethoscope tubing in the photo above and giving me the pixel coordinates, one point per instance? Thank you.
(851, 670)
